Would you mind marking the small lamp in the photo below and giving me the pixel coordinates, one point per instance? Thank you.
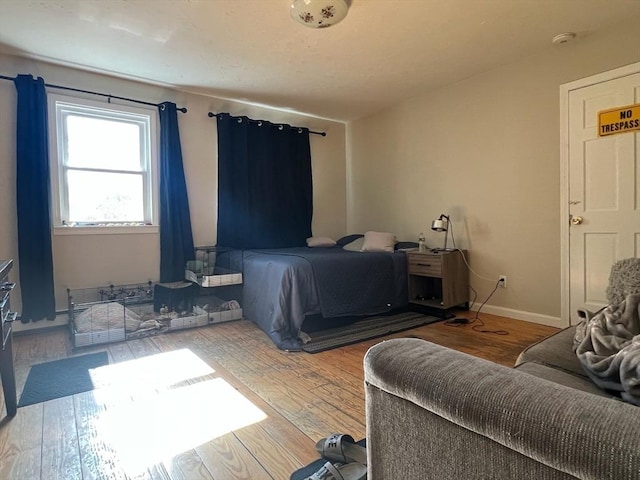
(441, 225)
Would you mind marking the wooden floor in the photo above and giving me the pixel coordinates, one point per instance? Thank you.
(217, 402)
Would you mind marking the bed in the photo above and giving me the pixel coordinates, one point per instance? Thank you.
(283, 286)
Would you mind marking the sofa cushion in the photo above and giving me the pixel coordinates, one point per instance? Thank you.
(555, 351)
(562, 377)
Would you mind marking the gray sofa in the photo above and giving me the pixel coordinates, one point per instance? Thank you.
(435, 413)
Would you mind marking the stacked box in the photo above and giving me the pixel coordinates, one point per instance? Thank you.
(217, 271)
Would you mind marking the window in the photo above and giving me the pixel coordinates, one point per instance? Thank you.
(103, 160)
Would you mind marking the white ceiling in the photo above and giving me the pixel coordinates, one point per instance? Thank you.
(385, 51)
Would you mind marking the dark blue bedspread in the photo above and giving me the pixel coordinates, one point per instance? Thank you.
(282, 286)
(350, 283)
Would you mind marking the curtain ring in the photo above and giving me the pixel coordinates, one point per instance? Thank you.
(299, 130)
(162, 106)
(259, 123)
(280, 127)
(239, 120)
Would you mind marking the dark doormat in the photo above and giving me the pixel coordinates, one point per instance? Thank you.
(313, 467)
(370, 327)
(61, 378)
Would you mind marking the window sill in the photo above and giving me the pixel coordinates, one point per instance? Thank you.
(102, 230)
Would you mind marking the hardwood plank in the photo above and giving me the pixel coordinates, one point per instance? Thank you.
(27, 351)
(188, 466)
(228, 459)
(21, 443)
(156, 472)
(60, 455)
(21, 465)
(143, 347)
(274, 457)
(56, 346)
(120, 352)
(98, 458)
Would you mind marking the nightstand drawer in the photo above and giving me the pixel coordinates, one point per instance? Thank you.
(428, 265)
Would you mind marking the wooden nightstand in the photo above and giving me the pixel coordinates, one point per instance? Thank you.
(437, 281)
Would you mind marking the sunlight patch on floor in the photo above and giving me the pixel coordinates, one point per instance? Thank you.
(154, 372)
(143, 433)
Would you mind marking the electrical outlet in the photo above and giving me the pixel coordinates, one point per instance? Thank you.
(503, 281)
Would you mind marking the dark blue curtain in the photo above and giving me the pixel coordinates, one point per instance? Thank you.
(176, 238)
(265, 194)
(33, 201)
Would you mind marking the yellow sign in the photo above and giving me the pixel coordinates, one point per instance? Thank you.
(619, 120)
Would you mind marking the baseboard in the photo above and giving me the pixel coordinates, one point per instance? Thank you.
(522, 315)
(61, 320)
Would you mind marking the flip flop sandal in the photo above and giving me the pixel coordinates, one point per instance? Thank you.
(341, 448)
(350, 471)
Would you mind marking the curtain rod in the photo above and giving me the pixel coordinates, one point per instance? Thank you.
(108, 95)
(211, 115)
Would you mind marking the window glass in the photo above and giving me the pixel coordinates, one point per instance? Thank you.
(103, 160)
(105, 197)
(90, 143)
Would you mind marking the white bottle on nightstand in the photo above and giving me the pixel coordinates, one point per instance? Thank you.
(422, 246)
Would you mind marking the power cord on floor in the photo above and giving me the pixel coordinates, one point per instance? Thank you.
(461, 322)
(476, 323)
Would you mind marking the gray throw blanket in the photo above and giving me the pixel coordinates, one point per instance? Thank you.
(608, 347)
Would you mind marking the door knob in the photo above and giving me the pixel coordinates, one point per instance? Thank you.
(577, 220)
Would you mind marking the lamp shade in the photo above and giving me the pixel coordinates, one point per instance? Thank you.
(319, 13)
(439, 225)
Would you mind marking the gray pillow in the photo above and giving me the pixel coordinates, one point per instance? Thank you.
(355, 246)
(348, 239)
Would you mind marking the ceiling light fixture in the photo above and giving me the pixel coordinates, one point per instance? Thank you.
(319, 13)
(563, 38)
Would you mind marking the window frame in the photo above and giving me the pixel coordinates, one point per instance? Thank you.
(60, 106)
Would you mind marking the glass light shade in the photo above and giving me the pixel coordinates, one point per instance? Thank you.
(319, 13)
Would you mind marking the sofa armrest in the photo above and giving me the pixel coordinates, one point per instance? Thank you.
(509, 419)
(555, 351)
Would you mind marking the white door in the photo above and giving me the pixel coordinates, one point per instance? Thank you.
(603, 211)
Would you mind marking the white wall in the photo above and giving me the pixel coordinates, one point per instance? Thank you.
(86, 261)
(486, 151)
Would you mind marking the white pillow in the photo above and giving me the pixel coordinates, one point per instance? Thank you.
(355, 246)
(379, 242)
(320, 242)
